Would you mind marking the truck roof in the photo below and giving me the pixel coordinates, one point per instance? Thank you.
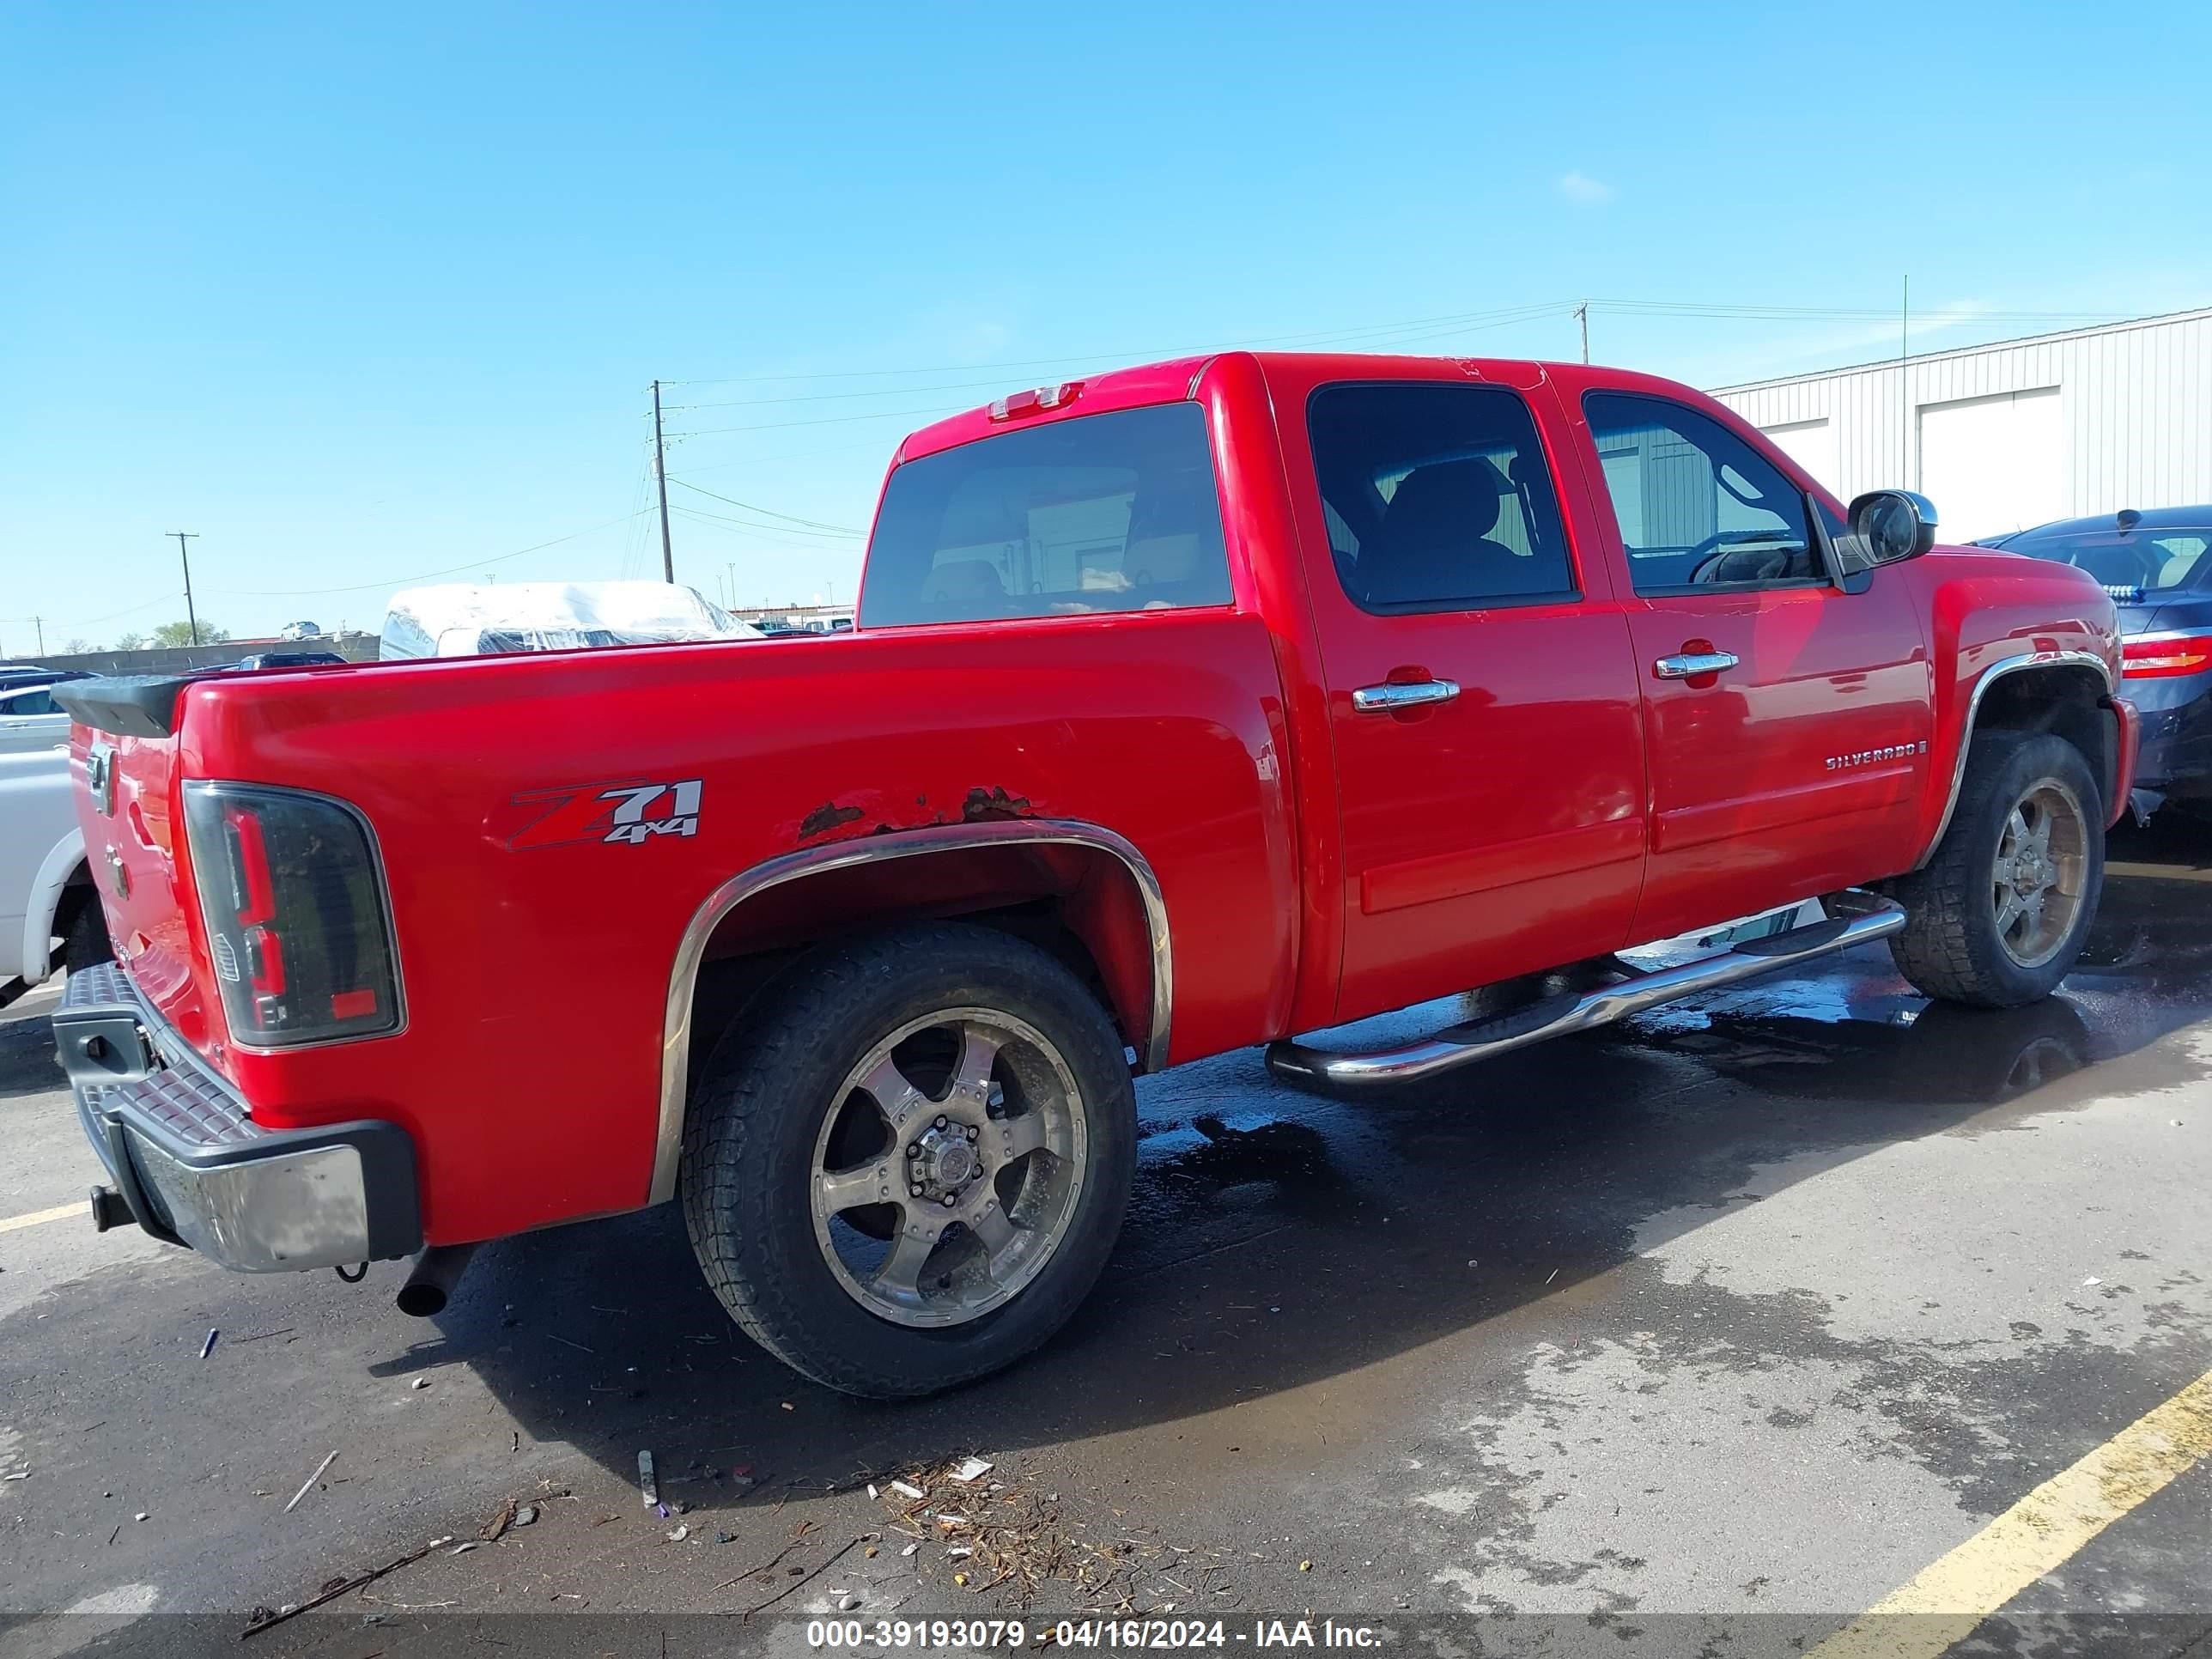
(1177, 378)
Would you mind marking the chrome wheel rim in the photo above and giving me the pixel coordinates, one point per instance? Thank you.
(2043, 856)
(948, 1167)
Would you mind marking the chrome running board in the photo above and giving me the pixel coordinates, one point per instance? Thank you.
(1868, 918)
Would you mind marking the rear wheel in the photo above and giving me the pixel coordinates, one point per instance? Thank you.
(85, 943)
(906, 1164)
(1999, 915)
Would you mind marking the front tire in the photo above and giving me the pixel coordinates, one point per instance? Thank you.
(906, 1164)
(1998, 916)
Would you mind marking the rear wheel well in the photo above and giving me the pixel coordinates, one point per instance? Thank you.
(1082, 904)
(2068, 701)
(77, 892)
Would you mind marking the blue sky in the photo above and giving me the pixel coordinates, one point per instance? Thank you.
(361, 294)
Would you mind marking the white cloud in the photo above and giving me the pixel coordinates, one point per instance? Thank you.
(1581, 187)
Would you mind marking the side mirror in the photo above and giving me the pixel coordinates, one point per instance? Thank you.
(1891, 524)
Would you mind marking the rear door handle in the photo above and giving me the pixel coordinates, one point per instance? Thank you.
(1381, 699)
(1690, 664)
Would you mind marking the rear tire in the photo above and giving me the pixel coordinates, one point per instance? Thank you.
(1998, 916)
(980, 1083)
(85, 943)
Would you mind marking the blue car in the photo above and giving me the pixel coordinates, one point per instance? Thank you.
(2153, 564)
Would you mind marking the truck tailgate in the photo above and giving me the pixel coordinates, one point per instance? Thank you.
(125, 788)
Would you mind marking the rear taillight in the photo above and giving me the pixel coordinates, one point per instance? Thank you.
(2163, 656)
(296, 913)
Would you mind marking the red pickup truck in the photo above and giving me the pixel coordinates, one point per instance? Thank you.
(1190, 707)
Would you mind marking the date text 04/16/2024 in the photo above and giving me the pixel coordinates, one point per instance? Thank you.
(1157, 1635)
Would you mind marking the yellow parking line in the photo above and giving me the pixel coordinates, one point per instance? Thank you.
(60, 1212)
(1947, 1599)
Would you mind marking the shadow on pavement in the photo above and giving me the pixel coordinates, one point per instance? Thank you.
(1277, 1239)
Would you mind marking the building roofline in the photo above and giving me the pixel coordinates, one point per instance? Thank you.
(1876, 365)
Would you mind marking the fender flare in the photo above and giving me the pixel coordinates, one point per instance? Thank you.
(684, 976)
(44, 902)
(1990, 676)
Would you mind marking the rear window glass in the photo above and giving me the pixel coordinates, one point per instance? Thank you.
(1106, 512)
(2132, 562)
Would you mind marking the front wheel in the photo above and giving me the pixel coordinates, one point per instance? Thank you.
(906, 1166)
(1998, 916)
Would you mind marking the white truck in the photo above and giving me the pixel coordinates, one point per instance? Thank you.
(50, 915)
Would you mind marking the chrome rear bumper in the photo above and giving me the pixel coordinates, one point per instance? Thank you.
(196, 1170)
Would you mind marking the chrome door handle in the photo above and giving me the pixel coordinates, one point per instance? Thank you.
(1374, 699)
(1692, 664)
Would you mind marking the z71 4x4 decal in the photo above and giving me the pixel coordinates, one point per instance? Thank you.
(631, 812)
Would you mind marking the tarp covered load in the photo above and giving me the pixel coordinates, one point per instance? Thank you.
(467, 619)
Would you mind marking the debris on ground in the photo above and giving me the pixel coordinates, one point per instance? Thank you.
(679, 1535)
(847, 1601)
(725, 1538)
(971, 1468)
(799, 1576)
(261, 1617)
(496, 1528)
(308, 1487)
(526, 1514)
(208, 1346)
(420, 1383)
(647, 1484)
(1012, 1539)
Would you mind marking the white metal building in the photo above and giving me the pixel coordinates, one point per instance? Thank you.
(2012, 433)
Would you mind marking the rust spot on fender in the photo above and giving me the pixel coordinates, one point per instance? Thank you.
(994, 806)
(825, 818)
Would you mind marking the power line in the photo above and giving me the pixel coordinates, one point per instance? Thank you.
(402, 581)
(829, 420)
(1357, 331)
(815, 524)
(727, 526)
(1675, 308)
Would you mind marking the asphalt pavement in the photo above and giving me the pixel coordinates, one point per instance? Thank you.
(1706, 1333)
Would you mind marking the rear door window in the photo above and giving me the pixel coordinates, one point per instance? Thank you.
(1105, 512)
(1437, 497)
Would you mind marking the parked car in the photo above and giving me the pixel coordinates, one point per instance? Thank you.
(1190, 708)
(261, 660)
(15, 675)
(31, 719)
(2153, 564)
(50, 915)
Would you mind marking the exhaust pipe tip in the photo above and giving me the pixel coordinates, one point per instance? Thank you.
(430, 1286)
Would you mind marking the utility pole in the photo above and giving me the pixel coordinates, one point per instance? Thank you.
(1583, 312)
(1904, 390)
(660, 473)
(192, 616)
(39, 623)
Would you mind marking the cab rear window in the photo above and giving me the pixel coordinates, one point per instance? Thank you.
(1104, 512)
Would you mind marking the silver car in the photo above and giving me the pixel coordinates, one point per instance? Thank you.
(31, 719)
